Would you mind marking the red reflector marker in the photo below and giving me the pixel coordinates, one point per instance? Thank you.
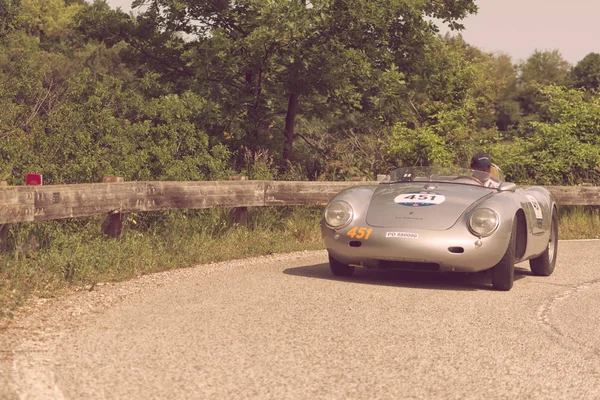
(33, 179)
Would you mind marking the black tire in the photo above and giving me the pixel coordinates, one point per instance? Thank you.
(340, 269)
(543, 265)
(503, 273)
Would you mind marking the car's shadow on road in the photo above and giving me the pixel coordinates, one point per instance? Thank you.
(413, 279)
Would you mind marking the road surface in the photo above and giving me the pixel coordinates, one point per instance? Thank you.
(281, 327)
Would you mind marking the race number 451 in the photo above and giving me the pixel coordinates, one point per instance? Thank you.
(360, 232)
(419, 199)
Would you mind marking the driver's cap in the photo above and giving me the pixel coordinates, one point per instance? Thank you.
(481, 160)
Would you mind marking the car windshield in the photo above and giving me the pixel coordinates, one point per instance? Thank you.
(446, 174)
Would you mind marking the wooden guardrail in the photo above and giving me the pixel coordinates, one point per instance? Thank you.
(40, 203)
(48, 202)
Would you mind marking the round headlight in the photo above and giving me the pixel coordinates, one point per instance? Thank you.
(483, 222)
(338, 214)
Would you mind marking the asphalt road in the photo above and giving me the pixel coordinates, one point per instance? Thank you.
(283, 328)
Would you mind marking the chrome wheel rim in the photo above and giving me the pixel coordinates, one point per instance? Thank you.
(552, 242)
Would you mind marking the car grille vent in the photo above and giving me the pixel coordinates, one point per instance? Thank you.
(409, 265)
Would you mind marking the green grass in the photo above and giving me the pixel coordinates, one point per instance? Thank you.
(579, 222)
(45, 259)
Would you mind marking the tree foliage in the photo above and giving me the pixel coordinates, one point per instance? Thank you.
(541, 68)
(261, 59)
(9, 11)
(564, 149)
(452, 105)
(586, 74)
(279, 89)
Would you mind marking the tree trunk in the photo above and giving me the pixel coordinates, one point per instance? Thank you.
(290, 119)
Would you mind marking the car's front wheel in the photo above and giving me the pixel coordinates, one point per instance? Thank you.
(503, 273)
(543, 265)
(340, 269)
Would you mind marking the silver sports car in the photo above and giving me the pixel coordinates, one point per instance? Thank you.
(442, 219)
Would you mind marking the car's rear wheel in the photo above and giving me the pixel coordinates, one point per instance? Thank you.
(339, 268)
(543, 265)
(503, 273)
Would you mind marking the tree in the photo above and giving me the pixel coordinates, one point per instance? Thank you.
(262, 58)
(508, 111)
(46, 18)
(9, 10)
(564, 149)
(586, 74)
(544, 67)
(541, 68)
(453, 102)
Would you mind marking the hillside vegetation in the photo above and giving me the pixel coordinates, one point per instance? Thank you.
(277, 89)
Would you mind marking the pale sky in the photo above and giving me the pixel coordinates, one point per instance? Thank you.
(519, 27)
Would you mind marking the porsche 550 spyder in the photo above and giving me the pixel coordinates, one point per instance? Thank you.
(442, 219)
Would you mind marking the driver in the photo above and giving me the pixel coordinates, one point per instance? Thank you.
(483, 162)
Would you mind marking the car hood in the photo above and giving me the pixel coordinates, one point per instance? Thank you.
(435, 206)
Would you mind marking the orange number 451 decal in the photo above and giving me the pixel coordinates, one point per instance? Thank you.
(360, 233)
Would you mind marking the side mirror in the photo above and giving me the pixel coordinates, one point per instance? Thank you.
(507, 187)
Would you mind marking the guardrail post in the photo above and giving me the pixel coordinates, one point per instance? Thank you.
(239, 215)
(3, 228)
(3, 237)
(113, 224)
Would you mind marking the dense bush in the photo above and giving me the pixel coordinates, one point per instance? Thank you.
(561, 149)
